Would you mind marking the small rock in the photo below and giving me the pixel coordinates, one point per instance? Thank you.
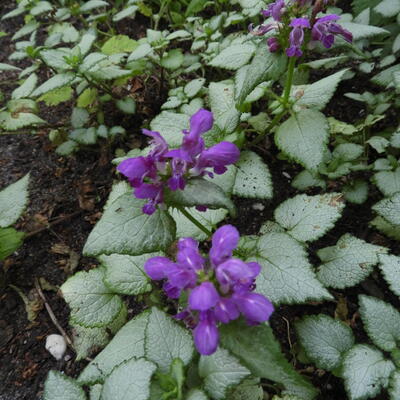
(56, 346)
(258, 207)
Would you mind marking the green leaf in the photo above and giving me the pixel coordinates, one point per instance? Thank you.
(87, 40)
(125, 274)
(365, 372)
(394, 385)
(389, 209)
(27, 29)
(55, 82)
(307, 218)
(92, 303)
(13, 201)
(128, 343)
(95, 392)
(92, 4)
(186, 228)
(286, 275)
(79, 117)
(41, 7)
(253, 179)
(390, 267)
(85, 136)
(304, 137)
(257, 348)
(126, 105)
(199, 191)
(221, 371)
(127, 12)
(361, 31)
(12, 121)
(196, 394)
(325, 340)
(249, 389)
(356, 192)
(60, 387)
(57, 96)
(305, 180)
(171, 125)
(26, 88)
(125, 229)
(222, 104)
(67, 148)
(381, 321)
(129, 381)
(385, 77)
(347, 263)
(193, 87)
(264, 66)
(166, 340)
(388, 8)
(388, 182)
(89, 340)
(119, 44)
(173, 59)
(234, 56)
(87, 98)
(318, 94)
(393, 231)
(55, 58)
(10, 241)
(7, 67)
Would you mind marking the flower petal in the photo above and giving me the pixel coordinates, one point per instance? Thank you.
(206, 335)
(226, 310)
(224, 241)
(255, 307)
(134, 169)
(156, 267)
(203, 297)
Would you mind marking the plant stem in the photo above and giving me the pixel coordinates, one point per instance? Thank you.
(273, 123)
(194, 221)
(289, 81)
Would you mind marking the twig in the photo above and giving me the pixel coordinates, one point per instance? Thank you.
(51, 224)
(52, 316)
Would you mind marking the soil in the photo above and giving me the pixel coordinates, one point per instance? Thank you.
(66, 200)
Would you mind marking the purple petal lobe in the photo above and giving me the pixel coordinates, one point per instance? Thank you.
(156, 268)
(206, 335)
(190, 258)
(255, 307)
(224, 241)
(200, 122)
(188, 242)
(134, 169)
(234, 271)
(220, 155)
(226, 310)
(203, 297)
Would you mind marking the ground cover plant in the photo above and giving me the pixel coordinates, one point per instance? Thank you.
(206, 198)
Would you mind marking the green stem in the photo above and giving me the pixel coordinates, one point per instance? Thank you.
(194, 221)
(273, 123)
(289, 80)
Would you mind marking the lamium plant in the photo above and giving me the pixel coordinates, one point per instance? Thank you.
(260, 124)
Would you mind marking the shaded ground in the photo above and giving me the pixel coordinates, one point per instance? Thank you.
(74, 190)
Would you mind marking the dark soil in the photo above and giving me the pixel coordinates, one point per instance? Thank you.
(71, 191)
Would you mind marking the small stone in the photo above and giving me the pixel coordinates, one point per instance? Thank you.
(56, 346)
(286, 175)
(258, 207)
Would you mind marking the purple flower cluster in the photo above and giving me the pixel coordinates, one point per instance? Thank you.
(220, 288)
(323, 29)
(163, 167)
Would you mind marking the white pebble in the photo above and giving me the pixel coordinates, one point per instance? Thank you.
(56, 346)
(258, 207)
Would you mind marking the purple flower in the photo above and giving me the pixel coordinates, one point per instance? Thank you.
(275, 10)
(296, 37)
(325, 29)
(219, 289)
(273, 44)
(203, 297)
(163, 168)
(206, 335)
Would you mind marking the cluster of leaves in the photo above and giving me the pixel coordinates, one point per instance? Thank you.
(152, 356)
(13, 201)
